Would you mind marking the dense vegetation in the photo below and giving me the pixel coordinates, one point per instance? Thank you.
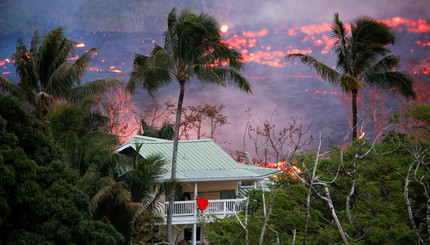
(391, 184)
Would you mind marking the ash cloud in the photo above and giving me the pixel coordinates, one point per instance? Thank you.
(149, 16)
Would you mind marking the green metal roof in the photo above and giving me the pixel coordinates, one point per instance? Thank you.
(198, 160)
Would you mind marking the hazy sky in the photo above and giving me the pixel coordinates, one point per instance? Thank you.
(149, 16)
(277, 88)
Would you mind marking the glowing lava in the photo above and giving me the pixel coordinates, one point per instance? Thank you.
(284, 167)
(224, 28)
(80, 45)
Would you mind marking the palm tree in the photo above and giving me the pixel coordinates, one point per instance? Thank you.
(192, 48)
(46, 75)
(82, 134)
(165, 132)
(361, 60)
(121, 190)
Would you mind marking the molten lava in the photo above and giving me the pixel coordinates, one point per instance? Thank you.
(284, 167)
(80, 45)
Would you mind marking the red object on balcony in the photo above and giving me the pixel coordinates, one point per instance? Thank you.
(202, 203)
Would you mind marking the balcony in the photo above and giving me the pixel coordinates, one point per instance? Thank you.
(185, 212)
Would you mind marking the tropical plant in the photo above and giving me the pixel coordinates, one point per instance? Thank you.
(45, 73)
(122, 190)
(165, 132)
(82, 134)
(192, 48)
(39, 201)
(361, 60)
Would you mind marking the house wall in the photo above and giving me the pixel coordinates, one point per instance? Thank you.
(178, 233)
(210, 190)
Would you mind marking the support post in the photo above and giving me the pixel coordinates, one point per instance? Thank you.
(195, 215)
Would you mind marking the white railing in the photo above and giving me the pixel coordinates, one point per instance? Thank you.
(218, 207)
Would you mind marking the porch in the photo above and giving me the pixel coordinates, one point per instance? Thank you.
(187, 212)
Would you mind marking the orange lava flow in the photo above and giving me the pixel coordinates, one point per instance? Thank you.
(284, 167)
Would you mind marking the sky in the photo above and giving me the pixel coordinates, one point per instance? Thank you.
(263, 31)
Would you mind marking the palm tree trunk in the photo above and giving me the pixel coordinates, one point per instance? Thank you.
(354, 114)
(174, 158)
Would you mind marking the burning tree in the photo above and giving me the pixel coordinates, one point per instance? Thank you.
(117, 107)
(192, 43)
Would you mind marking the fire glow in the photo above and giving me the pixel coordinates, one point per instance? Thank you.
(80, 45)
(284, 167)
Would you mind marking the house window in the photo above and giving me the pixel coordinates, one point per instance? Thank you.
(188, 234)
(228, 194)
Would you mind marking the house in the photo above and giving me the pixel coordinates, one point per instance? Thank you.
(208, 172)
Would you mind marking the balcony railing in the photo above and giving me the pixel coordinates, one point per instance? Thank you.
(220, 207)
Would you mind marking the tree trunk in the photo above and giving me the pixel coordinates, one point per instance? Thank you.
(351, 193)
(174, 158)
(267, 215)
(354, 114)
(308, 209)
(333, 213)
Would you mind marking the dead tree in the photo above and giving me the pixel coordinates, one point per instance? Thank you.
(312, 180)
(271, 143)
(418, 167)
(244, 225)
(267, 214)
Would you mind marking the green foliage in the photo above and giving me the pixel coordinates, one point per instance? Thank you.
(415, 119)
(378, 207)
(39, 201)
(146, 231)
(165, 132)
(81, 134)
(32, 134)
(94, 232)
(288, 214)
(46, 74)
(122, 190)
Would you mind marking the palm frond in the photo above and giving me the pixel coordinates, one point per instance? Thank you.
(35, 42)
(327, 73)
(59, 81)
(151, 78)
(218, 75)
(386, 64)
(91, 88)
(7, 86)
(349, 83)
(53, 51)
(367, 30)
(78, 68)
(166, 131)
(365, 56)
(162, 59)
(338, 31)
(215, 50)
(393, 79)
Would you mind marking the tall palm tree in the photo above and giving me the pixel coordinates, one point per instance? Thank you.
(45, 74)
(192, 47)
(361, 60)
